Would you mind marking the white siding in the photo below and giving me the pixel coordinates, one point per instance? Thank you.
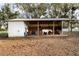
(16, 29)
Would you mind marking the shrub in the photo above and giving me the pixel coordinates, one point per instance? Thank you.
(2, 29)
(3, 34)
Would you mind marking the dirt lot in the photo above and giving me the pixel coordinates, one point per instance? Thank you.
(40, 46)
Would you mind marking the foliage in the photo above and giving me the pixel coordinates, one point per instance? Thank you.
(6, 13)
(3, 34)
(54, 9)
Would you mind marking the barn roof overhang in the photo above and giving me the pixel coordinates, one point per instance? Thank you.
(51, 19)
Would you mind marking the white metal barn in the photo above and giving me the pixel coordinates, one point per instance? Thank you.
(37, 27)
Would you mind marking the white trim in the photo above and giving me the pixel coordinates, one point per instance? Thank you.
(51, 19)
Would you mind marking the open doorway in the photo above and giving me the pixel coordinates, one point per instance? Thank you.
(57, 27)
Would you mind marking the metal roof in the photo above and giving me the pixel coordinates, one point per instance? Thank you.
(51, 19)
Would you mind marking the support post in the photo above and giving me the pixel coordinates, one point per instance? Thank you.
(68, 27)
(53, 28)
(62, 27)
(38, 28)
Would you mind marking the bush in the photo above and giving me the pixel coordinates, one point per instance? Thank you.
(2, 29)
(3, 34)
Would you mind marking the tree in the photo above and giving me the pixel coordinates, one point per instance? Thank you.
(6, 13)
(33, 10)
(36, 10)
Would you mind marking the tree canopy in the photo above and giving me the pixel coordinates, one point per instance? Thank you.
(6, 13)
(48, 10)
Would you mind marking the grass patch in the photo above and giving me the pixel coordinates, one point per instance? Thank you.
(3, 34)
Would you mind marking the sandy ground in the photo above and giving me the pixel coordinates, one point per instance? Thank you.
(52, 46)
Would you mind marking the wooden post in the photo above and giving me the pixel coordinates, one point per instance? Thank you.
(62, 26)
(68, 27)
(53, 28)
(38, 28)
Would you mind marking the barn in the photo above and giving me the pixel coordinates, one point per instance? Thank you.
(36, 27)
